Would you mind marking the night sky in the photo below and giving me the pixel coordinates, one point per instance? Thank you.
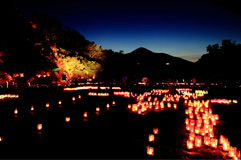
(181, 28)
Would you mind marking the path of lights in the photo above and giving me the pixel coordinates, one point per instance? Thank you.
(98, 94)
(90, 87)
(8, 96)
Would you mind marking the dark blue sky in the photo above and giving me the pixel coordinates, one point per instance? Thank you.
(181, 28)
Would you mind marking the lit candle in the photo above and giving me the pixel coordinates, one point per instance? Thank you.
(107, 105)
(214, 142)
(67, 119)
(79, 96)
(39, 127)
(150, 150)
(129, 106)
(191, 136)
(15, 111)
(207, 140)
(155, 130)
(60, 102)
(85, 114)
(198, 141)
(73, 98)
(226, 145)
(175, 106)
(197, 130)
(221, 139)
(151, 138)
(113, 103)
(47, 105)
(1, 139)
(232, 151)
(32, 108)
(97, 109)
(186, 121)
(189, 144)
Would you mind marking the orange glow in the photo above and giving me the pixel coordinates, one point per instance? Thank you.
(32, 108)
(221, 139)
(129, 106)
(39, 127)
(226, 145)
(67, 119)
(113, 103)
(79, 96)
(155, 130)
(73, 98)
(47, 104)
(232, 152)
(151, 137)
(175, 106)
(197, 130)
(60, 102)
(97, 109)
(85, 114)
(150, 150)
(15, 111)
(186, 121)
(1, 139)
(198, 141)
(214, 142)
(191, 136)
(206, 141)
(107, 105)
(189, 144)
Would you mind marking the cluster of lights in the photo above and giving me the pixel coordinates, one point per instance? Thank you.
(98, 94)
(200, 124)
(122, 93)
(90, 87)
(151, 139)
(223, 101)
(8, 96)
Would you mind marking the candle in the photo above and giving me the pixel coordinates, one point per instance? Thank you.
(186, 121)
(32, 108)
(197, 130)
(198, 141)
(47, 105)
(107, 105)
(191, 136)
(189, 144)
(15, 111)
(175, 106)
(85, 114)
(232, 151)
(155, 130)
(226, 145)
(221, 139)
(129, 106)
(60, 102)
(151, 137)
(113, 103)
(39, 127)
(214, 142)
(67, 119)
(1, 139)
(73, 98)
(150, 150)
(79, 96)
(97, 109)
(206, 140)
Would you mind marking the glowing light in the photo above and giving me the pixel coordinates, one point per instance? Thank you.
(15, 111)
(32, 108)
(39, 127)
(85, 114)
(67, 119)
(151, 138)
(150, 150)
(73, 98)
(60, 102)
(97, 109)
(47, 105)
(155, 130)
(189, 144)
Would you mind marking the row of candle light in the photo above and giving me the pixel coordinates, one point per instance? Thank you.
(223, 101)
(8, 96)
(123, 93)
(151, 139)
(98, 94)
(90, 87)
(200, 124)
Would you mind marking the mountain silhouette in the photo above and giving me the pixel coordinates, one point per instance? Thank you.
(144, 63)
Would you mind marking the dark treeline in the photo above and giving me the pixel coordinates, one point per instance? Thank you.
(25, 46)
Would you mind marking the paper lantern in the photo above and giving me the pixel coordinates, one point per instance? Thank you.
(150, 150)
(15, 111)
(214, 142)
(32, 108)
(191, 136)
(85, 114)
(189, 144)
(39, 127)
(97, 109)
(47, 105)
(151, 137)
(232, 152)
(198, 141)
(155, 130)
(206, 140)
(67, 119)
(175, 106)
